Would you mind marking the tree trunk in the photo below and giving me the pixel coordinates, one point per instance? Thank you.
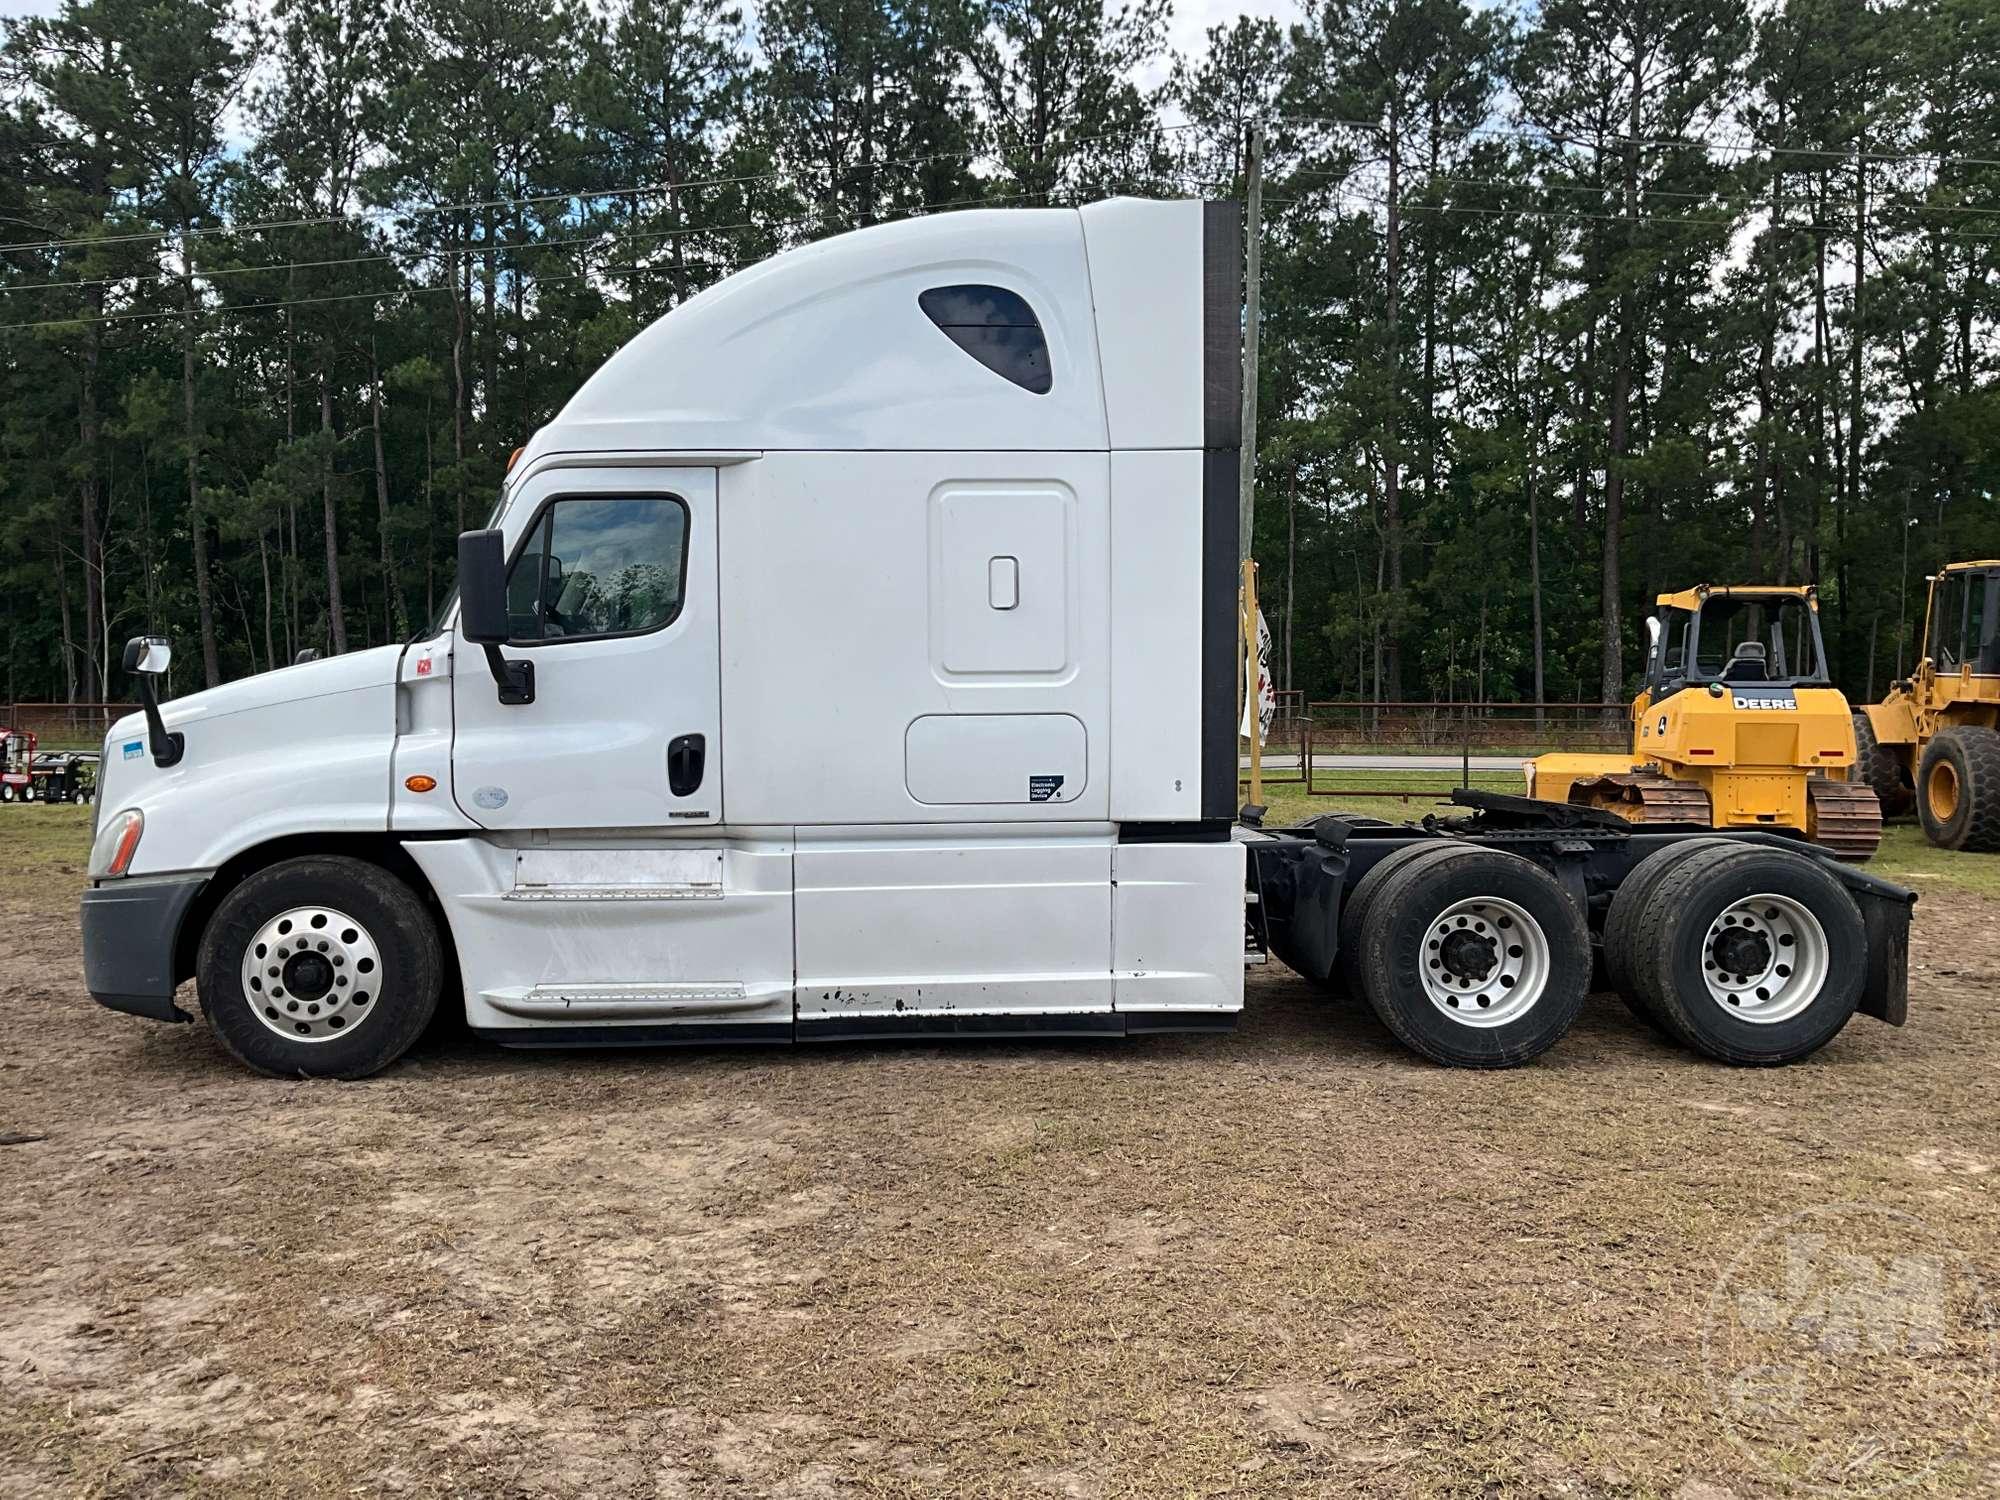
(461, 400)
(211, 661)
(392, 597)
(264, 569)
(1611, 682)
(1389, 668)
(93, 546)
(335, 617)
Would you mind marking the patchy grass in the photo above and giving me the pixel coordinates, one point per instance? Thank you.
(1295, 1261)
(1908, 857)
(1419, 792)
(40, 839)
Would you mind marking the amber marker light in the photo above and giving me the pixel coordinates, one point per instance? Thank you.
(420, 783)
(514, 458)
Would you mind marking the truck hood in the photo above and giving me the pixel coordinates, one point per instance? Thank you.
(294, 684)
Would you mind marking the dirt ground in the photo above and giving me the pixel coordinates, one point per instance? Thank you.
(1291, 1261)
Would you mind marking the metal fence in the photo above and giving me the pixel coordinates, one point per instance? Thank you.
(65, 721)
(1329, 747)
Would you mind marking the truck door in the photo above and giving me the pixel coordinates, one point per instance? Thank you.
(611, 596)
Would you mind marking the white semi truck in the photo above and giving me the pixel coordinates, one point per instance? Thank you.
(854, 656)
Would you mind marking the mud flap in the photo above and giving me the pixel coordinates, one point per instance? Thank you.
(1886, 994)
(1299, 888)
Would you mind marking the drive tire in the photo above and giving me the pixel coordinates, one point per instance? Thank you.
(1879, 769)
(1490, 1021)
(1354, 910)
(1621, 922)
(396, 925)
(1958, 790)
(1672, 947)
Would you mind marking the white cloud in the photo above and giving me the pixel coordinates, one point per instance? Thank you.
(1187, 29)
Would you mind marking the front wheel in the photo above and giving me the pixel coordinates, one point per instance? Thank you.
(321, 967)
(1476, 961)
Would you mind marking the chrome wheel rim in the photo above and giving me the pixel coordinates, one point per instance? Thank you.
(312, 973)
(1765, 959)
(1485, 962)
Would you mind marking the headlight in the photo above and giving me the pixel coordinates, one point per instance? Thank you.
(116, 843)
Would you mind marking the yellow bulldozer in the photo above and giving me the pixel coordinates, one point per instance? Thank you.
(1935, 740)
(1737, 726)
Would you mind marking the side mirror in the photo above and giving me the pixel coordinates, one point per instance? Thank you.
(147, 657)
(482, 587)
(309, 654)
(482, 612)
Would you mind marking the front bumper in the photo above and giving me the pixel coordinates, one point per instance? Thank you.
(130, 929)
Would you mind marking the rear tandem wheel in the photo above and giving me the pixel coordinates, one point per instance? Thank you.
(1748, 954)
(1478, 960)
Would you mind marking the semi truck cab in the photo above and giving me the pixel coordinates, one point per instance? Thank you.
(855, 656)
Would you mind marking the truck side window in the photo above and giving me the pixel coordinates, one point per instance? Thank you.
(599, 567)
(996, 327)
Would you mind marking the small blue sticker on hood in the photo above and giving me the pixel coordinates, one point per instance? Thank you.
(134, 748)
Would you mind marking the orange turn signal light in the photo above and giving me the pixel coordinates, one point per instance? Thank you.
(421, 783)
(514, 458)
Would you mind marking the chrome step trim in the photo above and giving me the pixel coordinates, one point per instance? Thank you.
(622, 1002)
(614, 893)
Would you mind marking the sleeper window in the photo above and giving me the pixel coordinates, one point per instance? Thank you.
(996, 327)
(599, 567)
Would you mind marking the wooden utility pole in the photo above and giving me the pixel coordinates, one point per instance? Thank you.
(1246, 473)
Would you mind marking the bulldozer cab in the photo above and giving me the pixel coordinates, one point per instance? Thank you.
(1962, 622)
(1737, 637)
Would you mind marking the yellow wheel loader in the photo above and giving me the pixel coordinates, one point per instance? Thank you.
(1738, 726)
(1935, 740)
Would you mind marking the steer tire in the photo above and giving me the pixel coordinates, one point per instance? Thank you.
(1958, 790)
(1880, 769)
(1622, 920)
(1484, 899)
(381, 997)
(1354, 910)
(1795, 914)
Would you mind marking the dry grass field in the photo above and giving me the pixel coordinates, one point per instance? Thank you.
(1294, 1261)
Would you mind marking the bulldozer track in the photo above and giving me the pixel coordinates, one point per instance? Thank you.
(1646, 797)
(1846, 817)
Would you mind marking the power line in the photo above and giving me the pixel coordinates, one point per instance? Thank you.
(1563, 138)
(1750, 203)
(581, 196)
(537, 278)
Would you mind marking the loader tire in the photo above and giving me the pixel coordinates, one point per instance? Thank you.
(1880, 769)
(1354, 911)
(1958, 790)
(1751, 955)
(1621, 922)
(1477, 961)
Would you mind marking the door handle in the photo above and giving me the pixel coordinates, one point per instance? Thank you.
(684, 764)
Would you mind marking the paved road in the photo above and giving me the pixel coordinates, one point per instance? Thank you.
(1289, 760)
